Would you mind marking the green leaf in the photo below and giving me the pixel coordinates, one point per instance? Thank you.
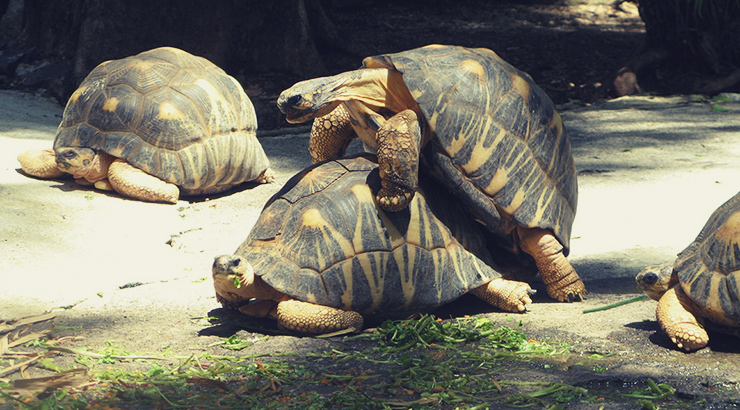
(719, 108)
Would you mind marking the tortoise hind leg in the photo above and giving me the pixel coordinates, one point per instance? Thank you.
(315, 319)
(40, 163)
(509, 295)
(562, 281)
(132, 182)
(678, 322)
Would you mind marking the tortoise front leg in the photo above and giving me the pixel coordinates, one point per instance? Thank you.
(678, 322)
(40, 163)
(562, 281)
(132, 182)
(315, 319)
(508, 295)
(399, 142)
(331, 135)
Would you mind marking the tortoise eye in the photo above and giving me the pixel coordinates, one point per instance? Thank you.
(650, 278)
(235, 262)
(69, 154)
(295, 100)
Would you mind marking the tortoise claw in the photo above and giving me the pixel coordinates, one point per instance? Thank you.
(393, 203)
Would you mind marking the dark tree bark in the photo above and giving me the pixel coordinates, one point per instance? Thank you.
(691, 46)
(54, 44)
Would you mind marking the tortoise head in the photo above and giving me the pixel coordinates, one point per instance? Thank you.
(314, 98)
(234, 280)
(656, 280)
(76, 161)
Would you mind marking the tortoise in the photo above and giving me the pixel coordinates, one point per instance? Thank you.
(701, 288)
(322, 254)
(153, 126)
(483, 128)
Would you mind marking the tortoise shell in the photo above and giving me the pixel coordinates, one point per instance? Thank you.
(709, 268)
(322, 239)
(497, 142)
(171, 114)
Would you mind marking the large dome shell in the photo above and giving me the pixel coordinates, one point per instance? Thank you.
(322, 239)
(174, 115)
(498, 143)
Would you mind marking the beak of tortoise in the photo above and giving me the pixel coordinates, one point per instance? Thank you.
(310, 99)
(232, 277)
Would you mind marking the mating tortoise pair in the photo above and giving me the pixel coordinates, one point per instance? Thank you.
(481, 128)
(153, 126)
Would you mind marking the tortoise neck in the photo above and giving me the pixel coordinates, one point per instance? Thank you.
(99, 167)
(379, 88)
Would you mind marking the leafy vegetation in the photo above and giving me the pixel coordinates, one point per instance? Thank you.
(422, 363)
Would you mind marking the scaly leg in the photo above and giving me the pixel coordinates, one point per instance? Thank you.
(40, 163)
(508, 295)
(132, 182)
(678, 322)
(562, 281)
(399, 142)
(331, 135)
(315, 319)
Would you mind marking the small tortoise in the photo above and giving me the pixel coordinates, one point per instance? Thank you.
(703, 282)
(482, 127)
(322, 254)
(150, 123)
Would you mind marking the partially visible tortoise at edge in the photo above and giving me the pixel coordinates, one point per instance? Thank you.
(701, 289)
(482, 127)
(322, 254)
(153, 126)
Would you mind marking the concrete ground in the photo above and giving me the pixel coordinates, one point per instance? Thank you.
(651, 171)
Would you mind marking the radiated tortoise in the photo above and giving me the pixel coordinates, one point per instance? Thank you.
(322, 254)
(481, 126)
(702, 287)
(154, 125)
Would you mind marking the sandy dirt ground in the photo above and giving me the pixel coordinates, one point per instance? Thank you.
(651, 170)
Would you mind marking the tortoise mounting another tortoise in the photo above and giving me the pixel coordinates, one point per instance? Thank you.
(702, 287)
(322, 254)
(154, 125)
(483, 128)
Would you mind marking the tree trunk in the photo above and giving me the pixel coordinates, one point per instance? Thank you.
(55, 44)
(691, 46)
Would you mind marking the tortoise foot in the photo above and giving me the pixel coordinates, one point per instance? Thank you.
(393, 201)
(689, 337)
(40, 163)
(508, 295)
(573, 291)
(266, 176)
(309, 318)
(677, 320)
(132, 182)
(562, 281)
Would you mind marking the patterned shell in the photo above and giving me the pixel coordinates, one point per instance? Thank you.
(174, 115)
(321, 239)
(497, 141)
(709, 268)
